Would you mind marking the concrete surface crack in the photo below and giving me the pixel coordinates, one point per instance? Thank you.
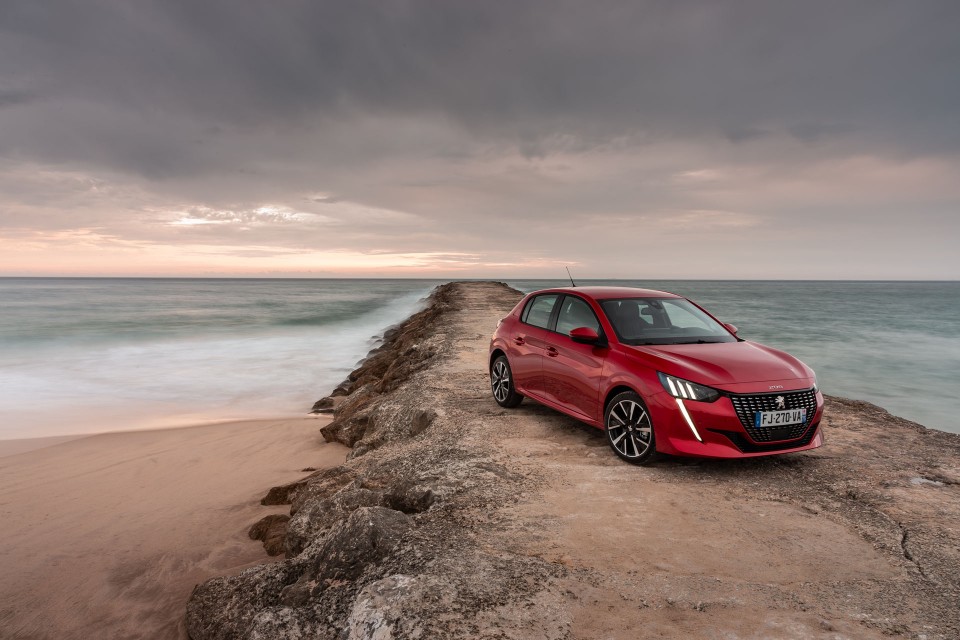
(904, 539)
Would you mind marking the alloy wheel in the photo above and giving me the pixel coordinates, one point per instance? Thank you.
(500, 381)
(629, 430)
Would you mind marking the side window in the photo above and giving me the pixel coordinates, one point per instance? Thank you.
(574, 313)
(537, 312)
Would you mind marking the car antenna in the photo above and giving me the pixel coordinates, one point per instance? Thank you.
(572, 283)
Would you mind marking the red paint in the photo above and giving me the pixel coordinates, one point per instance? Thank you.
(575, 378)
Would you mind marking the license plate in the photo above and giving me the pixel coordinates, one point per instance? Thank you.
(763, 419)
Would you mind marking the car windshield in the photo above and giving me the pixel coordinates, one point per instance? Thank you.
(662, 321)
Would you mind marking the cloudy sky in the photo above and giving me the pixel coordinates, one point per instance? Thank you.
(460, 138)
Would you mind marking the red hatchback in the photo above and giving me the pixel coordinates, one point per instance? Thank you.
(656, 372)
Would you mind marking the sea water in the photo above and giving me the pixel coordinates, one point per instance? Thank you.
(85, 355)
(82, 355)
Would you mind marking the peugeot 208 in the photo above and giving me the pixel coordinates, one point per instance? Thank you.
(656, 372)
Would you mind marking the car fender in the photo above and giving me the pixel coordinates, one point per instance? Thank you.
(639, 384)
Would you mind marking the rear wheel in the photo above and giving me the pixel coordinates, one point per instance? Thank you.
(501, 383)
(629, 428)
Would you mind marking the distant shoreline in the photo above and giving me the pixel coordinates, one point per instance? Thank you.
(477, 279)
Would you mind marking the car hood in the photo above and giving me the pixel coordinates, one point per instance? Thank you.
(726, 364)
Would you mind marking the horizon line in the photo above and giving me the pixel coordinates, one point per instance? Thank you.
(471, 279)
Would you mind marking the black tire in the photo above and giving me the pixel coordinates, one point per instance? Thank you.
(501, 384)
(629, 428)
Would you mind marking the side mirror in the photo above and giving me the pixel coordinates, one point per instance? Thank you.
(732, 328)
(586, 335)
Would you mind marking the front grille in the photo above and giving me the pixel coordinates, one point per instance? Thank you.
(747, 406)
(742, 443)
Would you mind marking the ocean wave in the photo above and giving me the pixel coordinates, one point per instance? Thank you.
(221, 369)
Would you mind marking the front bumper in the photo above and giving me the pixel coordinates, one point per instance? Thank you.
(718, 432)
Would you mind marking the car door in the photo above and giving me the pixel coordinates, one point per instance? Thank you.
(529, 342)
(572, 372)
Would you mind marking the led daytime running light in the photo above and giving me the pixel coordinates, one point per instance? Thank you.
(686, 416)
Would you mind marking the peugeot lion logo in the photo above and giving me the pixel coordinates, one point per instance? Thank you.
(781, 403)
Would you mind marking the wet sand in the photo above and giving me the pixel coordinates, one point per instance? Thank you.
(105, 536)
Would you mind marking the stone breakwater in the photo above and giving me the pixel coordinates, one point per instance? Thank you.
(382, 542)
(453, 517)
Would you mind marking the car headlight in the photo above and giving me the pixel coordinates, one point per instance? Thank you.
(686, 390)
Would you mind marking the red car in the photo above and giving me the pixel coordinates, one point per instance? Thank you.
(656, 372)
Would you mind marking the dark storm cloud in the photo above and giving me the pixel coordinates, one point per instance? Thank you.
(514, 71)
(10, 98)
(461, 113)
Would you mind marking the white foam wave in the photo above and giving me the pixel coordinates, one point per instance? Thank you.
(92, 389)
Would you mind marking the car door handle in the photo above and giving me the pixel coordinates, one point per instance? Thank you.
(518, 340)
(552, 352)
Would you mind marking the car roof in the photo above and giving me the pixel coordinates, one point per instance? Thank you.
(603, 293)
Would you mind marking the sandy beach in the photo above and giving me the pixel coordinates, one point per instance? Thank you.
(105, 536)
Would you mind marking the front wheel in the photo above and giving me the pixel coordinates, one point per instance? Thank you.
(629, 429)
(501, 383)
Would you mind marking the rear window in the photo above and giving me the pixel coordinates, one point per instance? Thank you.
(576, 313)
(537, 312)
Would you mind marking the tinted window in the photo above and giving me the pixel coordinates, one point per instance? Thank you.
(538, 310)
(575, 313)
(662, 321)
